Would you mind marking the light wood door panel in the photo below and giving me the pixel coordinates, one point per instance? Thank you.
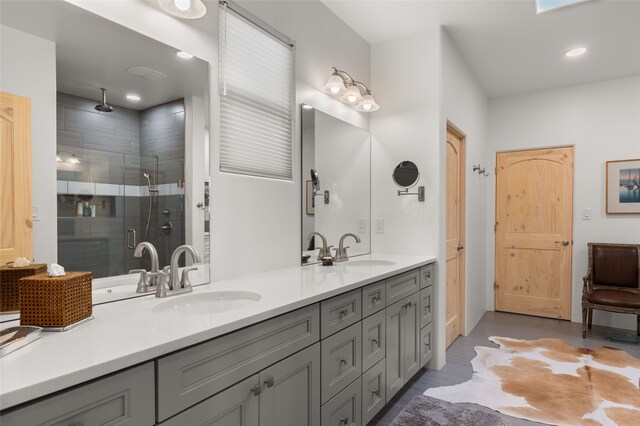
(534, 232)
(455, 235)
(15, 173)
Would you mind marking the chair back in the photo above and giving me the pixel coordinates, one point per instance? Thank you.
(615, 265)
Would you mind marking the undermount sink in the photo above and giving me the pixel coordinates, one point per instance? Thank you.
(370, 263)
(208, 303)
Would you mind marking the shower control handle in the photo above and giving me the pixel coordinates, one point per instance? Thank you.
(131, 233)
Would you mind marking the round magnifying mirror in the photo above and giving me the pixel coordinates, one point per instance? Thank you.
(406, 174)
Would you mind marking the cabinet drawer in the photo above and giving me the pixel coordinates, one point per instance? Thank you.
(237, 402)
(426, 344)
(126, 398)
(344, 409)
(373, 299)
(341, 360)
(373, 389)
(189, 376)
(402, 285)
(373, 340)
(427, 276)
(340, 312)
(426, 306)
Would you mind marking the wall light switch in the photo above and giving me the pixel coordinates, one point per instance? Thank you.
(586, 214)
(379, 226)
(362, 225)
(35, 213)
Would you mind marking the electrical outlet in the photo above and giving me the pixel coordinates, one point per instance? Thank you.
(586, 214)
(362, 225)
(379, 226)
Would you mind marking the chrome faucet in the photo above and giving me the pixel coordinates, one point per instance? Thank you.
(175, 285)
(147, 278)
(341, 252)
(325, 250)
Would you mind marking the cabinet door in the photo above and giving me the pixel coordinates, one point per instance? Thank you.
(340, 312)
(344, 409)
(395, 358)
(402, 286)
(373, 390)
(426, 344)
(373, 340)
(341, 360)
(235, 406)
(373, 298)
(426, 306)
(291, 390)
(126, 398)
(411, 336)
(427, 275)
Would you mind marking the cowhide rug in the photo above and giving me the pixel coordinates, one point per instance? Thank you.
(550, 381)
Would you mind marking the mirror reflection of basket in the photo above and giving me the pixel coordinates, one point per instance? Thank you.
(55, 302)
(10, 284)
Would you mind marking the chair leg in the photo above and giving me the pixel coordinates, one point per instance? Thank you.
(584, 322)
(590, 318)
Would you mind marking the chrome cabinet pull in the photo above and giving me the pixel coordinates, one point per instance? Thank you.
(376, 392)
(256, 389)
(269, 381)
(374, 341)
(375, 300)
(344, 420)
(344, 360)
(344, 313)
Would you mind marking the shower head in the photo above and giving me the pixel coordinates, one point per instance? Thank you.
(104, 106)
(148, 178)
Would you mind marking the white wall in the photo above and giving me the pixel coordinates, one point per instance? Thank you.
(602, 121)
(405, 77)
(28, 68)
(466, 106)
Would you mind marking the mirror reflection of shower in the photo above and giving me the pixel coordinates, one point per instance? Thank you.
(153, 191)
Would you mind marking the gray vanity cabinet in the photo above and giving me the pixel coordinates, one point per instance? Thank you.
(373, 391)
(341, 360)
(344, 409)
(373, 340)
(126, 398)
(403, 343)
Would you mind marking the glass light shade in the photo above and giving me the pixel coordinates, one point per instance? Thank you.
(352, 95)
(334, 86)
(194, 8)
(368, 104)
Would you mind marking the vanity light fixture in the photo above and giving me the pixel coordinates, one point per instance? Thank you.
(132, 97)
(187, 9)
(349, 91)
(184, 55)
(576, 52)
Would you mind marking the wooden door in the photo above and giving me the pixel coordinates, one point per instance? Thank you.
(15, 178)
(291, 390)
(534, 236)
(455, 235)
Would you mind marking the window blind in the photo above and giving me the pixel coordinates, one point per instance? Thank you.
(256, 99)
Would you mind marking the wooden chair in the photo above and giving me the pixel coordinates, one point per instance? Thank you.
(612, 282)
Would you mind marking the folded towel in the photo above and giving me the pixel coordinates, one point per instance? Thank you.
(55, 270)
(20, 262)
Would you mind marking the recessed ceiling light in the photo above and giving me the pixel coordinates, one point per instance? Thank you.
(576, 52)
(133, 97)
(184, 55)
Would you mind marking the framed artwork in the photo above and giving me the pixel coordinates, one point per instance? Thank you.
(311, 207)
(623, 186)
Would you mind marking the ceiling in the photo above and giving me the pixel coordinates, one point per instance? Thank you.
(508, 47)
(93, 52)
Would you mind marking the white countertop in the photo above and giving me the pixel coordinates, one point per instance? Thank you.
(128, 332)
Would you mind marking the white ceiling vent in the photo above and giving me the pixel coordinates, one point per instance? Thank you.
(147, 73)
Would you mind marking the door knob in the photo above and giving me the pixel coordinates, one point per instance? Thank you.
(460, 247)
(563, 242)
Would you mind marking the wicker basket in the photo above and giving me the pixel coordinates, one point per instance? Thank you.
(55, 301)
(10, 284)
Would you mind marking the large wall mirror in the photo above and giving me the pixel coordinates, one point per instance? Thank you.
(132, 161)
(340, 202)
